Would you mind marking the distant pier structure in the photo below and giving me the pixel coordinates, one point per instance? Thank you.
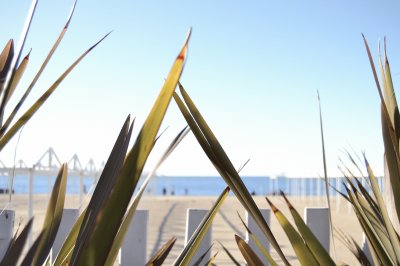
(48, 166)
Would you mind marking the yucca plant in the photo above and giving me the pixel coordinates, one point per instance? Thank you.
(377, 212)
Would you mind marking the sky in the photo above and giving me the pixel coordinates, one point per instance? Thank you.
(253, 70)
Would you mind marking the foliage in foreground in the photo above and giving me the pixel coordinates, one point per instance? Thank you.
(99, 231)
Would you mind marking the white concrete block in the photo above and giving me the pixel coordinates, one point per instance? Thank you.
(6, 230)
(255, 229)
(134, 247)
(317, 220)
(193, 219)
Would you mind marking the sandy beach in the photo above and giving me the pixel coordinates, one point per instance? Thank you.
(167, 218)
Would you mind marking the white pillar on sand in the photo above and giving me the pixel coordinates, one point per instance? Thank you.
(6, 230)
(317, 220)
(193, 219)
(134, 247)
(255, 229)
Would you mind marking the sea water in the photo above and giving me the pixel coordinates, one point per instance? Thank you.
(187, 185)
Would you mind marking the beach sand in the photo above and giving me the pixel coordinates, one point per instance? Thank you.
(167, 218)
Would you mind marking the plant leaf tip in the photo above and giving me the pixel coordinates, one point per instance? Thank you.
(182, 55)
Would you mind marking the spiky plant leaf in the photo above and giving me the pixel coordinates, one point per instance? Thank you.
(113, 253)
(326, 175)
(19, 72)
(32, 110)
(210, 262)
(38, 74)
(378, 239)
(391, 140)
(99, 242)
(394, 238)
(158, 258)
(354, 248)
(249, 255)
(14, 63)
(105, 185)
(6, 57)
(221, 162)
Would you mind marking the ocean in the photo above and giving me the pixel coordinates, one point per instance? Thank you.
(187, 185)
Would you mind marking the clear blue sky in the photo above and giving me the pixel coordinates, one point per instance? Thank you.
(253, 69)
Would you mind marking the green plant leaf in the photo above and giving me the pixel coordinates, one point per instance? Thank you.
(221, 162)
(38, 74)
(101, 239)
(104, 186)
(194, 242)
(303, 253)
(326, 176)
(378, 240)
(249, 255)
(7, 85)
(6, 57)
(113, 253)
(32, 110)
(394, 238)
(354, 248)
(18, 75)
(158, 258)
(53, 217)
